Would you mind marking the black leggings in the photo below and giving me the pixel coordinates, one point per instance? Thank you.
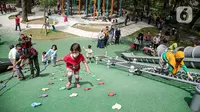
(155, 46)
(137, 46)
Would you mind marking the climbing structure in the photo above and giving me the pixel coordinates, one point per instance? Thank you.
(96, 7)
(137, 68)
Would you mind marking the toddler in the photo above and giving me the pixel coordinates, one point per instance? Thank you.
(53, 54)
(73, 61)
(89, 53)
(44, 58)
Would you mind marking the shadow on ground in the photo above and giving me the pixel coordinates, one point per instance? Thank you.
(81, 83)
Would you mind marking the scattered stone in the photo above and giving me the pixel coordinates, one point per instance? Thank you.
(62, 88)
(73, 95)
(43, 95)
(45, 89)
(86, 89)
(101, 83)
(116, 106)
(50, 83)
(111, 94)
(35, 104)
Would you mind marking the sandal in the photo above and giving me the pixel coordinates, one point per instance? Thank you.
(68, 85)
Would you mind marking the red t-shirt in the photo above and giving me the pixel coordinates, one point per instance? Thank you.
(17, 20)
(73, 63)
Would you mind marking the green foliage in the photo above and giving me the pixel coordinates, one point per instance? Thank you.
(10, 1)
(48, 2)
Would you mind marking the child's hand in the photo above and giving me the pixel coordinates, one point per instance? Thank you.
(189, 76)
(21, 65)
(170, 74)
(57, 60)
(88, 71)
(14, 69)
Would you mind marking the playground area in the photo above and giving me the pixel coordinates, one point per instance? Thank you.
(134, 93)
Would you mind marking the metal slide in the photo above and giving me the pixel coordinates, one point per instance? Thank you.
(192, 56)
(135, 67)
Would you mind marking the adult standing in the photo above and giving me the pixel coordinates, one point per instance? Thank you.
(12, 53)
(141, 15)
(17, 22)
(17, 60)
(117, 35)
(4, 7)
(111, 34)
(156, 41)
(149, 18)
(101, 36)
(136, 43)
(33, 60)
(106, 32)
(1, 8)
(141, 38)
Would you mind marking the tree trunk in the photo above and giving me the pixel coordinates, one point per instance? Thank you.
(165, 4)
(19, 3)
(29, 6)
(173, 9)
(195, 18)
(24, 11)
(135, 4)
(148, 6)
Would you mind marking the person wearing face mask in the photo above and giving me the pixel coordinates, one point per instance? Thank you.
(174, 61)
(73, 61)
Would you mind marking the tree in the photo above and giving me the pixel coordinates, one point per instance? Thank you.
(29, 7)
(24, 11)
(195, 18)
(166, 2)
(148, 6)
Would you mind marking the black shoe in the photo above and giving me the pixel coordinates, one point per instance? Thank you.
(23, 78)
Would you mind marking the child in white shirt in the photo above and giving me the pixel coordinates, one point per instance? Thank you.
(89, 53)
(44, 58)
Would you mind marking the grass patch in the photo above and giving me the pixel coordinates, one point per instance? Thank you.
(20, 15)
(39, 34)
(39, 21)
(152, 30)
(90, 27)
(13, 16)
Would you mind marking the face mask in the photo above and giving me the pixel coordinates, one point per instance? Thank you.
(75, 55)
(179, 59)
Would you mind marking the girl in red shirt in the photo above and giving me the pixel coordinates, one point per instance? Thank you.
(73, 61)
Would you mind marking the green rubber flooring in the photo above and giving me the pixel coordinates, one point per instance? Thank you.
(137, 93)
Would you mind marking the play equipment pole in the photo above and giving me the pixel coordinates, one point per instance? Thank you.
(74, 3)
(89, 11)
(63, 6)
(107, 2)
(67, 7)
(79, 7)
(103, 8)
(99, 9)
(94, 7)
(120, 8)
(112, 6)
(86, 8)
